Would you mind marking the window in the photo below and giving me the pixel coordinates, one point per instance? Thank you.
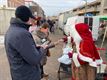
(89, 21)
(86, 20)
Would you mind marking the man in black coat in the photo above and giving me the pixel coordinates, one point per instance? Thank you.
(23, 55)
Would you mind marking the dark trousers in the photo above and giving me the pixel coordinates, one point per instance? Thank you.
(42, 71)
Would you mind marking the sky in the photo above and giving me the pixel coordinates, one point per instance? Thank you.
(54, 7)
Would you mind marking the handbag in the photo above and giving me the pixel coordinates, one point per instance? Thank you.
(48, 53)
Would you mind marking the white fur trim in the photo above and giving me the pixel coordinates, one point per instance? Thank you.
(96, 63)
(93, 64)
(67, 30)
(84, 58)
(75, 59)
(72, 20)
(73, 33)
(99, 61)
(90, 60)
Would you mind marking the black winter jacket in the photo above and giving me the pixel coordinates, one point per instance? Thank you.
(23, 55)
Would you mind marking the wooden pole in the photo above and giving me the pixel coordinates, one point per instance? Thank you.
(104, 36)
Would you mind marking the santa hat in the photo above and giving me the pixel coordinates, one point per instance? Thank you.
(85, 47)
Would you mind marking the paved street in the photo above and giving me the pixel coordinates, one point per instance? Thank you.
(4, 67)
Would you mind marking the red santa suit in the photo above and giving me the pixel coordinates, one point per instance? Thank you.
(86, 50)
(86, 58)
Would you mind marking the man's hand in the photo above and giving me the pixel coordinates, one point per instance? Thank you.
(38, 45)
(60, 40)
(44, 46)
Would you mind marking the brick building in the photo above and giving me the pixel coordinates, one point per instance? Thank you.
(98, 7)
(11, 3)
(35, 8)
(15, 3)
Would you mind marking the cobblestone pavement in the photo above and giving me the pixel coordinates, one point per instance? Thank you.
(51, 67)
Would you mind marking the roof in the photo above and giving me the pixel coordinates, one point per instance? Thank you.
(89, 4)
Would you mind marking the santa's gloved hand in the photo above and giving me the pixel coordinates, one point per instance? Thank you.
(70, 54)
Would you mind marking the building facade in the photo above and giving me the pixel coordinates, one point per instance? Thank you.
(35, 8)
(3, 3)
(98, 7)
(103, 7)
(11, 3)
(92, 8)
(15, 3)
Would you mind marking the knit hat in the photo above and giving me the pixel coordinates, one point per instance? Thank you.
(24, 13)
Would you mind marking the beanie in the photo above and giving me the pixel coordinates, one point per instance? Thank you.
(24, 13)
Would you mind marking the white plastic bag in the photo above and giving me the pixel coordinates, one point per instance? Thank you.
(64, 59)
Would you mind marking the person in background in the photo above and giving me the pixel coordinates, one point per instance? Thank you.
(41, 38)
(23, 54)
(101, 29)
(33, 26)
(50, 25)
(38, 22)
(45, 29)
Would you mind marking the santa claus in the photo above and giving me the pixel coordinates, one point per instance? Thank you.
(85, 57)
